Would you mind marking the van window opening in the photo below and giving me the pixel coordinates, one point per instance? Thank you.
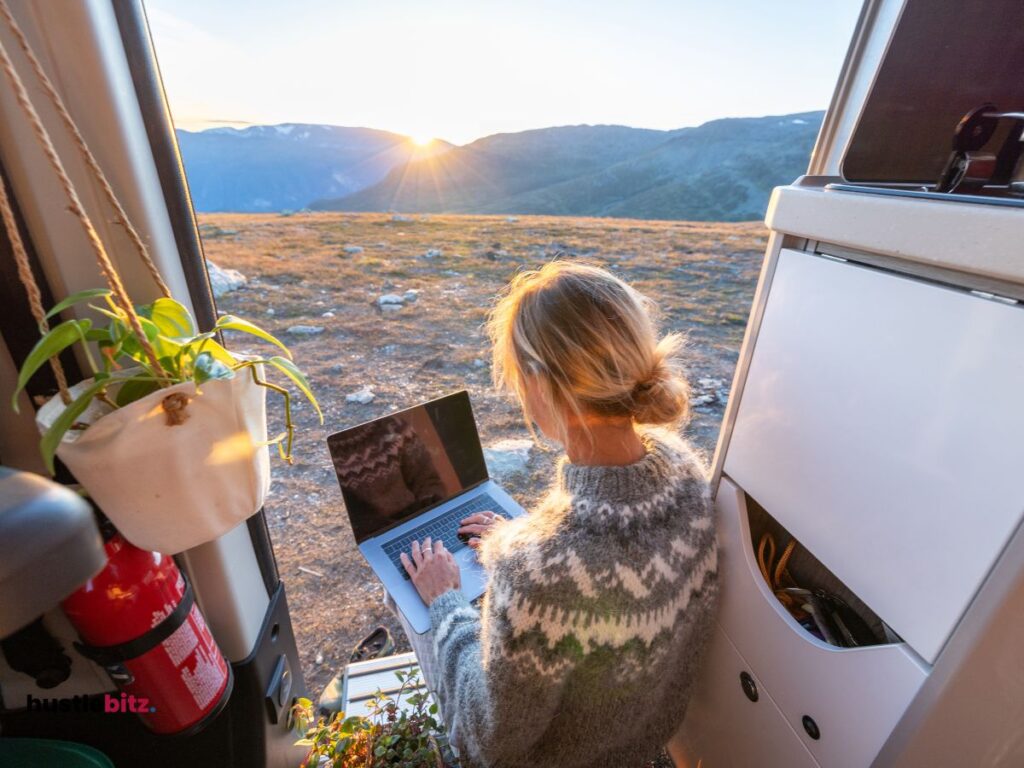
(376, 252)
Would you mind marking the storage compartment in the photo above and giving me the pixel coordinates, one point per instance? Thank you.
(853, 697)
(880, 422)
(731, 722)
(816, 598)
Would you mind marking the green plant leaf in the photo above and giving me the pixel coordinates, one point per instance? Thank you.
(53, 436)
(208, 367)
(170, 317)
(134, 389)
(232, 323)
(289, 369)
(220, 353)
(59, 338)
(89, 293)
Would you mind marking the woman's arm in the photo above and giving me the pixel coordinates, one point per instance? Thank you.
(495, 686)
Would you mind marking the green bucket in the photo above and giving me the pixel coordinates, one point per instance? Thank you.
(49, 753)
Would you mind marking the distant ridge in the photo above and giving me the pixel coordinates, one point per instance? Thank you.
(723, 170)
(274, 167)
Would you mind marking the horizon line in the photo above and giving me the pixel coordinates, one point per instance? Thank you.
(246, 124)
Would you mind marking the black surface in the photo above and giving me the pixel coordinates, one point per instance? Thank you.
(945, 58)
(924, 194)
(240, 735)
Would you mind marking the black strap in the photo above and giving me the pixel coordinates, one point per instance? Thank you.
(111, 655)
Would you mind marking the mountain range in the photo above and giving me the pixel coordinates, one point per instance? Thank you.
(723, 170)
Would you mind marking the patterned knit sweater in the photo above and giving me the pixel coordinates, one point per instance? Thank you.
(592, 628)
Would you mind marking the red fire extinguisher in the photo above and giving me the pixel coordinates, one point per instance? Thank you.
(138, 619)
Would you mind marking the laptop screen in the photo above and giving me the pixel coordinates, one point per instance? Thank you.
(400, 465)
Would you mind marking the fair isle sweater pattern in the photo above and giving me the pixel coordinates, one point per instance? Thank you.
(594, 622)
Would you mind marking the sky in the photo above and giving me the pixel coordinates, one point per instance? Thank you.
(462, 69)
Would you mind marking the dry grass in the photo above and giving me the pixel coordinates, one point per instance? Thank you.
(701, 275)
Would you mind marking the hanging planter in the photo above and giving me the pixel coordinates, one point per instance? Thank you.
(169, 436)
(174, 457)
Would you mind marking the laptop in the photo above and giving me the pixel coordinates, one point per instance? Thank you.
(412, 474)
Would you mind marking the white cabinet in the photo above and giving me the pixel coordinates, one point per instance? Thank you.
(725, 729)
(880, 423)
(854, 695)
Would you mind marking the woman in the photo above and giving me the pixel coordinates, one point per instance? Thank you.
(601, 599)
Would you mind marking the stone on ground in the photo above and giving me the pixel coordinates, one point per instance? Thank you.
(305, 330)
(508, 457)
(224, 280)
(364, 396)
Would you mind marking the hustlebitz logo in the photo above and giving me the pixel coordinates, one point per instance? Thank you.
(109, 704)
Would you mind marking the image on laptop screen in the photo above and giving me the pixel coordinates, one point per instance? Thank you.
(399, 465)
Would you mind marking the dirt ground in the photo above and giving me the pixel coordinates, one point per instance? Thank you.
(328, 270)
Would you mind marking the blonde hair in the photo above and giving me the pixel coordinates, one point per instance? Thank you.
(590, 342)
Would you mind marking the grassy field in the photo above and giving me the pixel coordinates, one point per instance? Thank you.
(328, 270)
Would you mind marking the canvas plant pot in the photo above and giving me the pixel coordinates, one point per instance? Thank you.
(167, 487)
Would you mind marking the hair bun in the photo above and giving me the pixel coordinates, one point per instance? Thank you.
(663, 396)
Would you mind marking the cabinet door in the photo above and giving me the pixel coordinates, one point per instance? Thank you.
(880, 423)
(854, 695)
(725, 729)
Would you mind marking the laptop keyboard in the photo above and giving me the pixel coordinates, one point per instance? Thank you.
(444, 527)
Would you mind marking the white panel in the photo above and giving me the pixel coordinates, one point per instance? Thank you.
(880, 423)
(969, 237)
(855, 695)
(724, 729)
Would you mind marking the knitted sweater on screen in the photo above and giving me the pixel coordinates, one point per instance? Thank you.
(594, 622)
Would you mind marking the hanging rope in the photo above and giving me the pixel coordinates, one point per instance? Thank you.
(120, 295)
(83, 148)
(35, 299)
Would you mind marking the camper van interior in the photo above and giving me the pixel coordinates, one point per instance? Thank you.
(867, 477)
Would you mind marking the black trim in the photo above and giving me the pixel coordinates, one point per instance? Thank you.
(112, 655)
(156, 115)
(924, 194)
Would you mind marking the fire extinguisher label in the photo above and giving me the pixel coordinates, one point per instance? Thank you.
(181, 643)
(204, 677)
(206, 680)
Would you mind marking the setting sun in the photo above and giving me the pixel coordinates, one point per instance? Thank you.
(422, 141)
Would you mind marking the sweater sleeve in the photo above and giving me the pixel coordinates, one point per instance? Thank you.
(502, 705)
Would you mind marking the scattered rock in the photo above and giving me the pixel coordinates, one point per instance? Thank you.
(353, 249)
(327, 314)
(305, 330)
(478, 363)
(701, 400)
(389, 349)
(336, 368)
(710, 383)
(390, 302)
(508, 457)
(319, 658)
(432, 253)
(411, 295)
(271, 311)
(224, 280)
(364, 396)
(511, 219)
(400, 217)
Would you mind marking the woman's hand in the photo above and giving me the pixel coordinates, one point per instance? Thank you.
(432, 569)
(478, 524)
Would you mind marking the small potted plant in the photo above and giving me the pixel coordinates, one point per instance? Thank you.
(169, 437)
(390, 735)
